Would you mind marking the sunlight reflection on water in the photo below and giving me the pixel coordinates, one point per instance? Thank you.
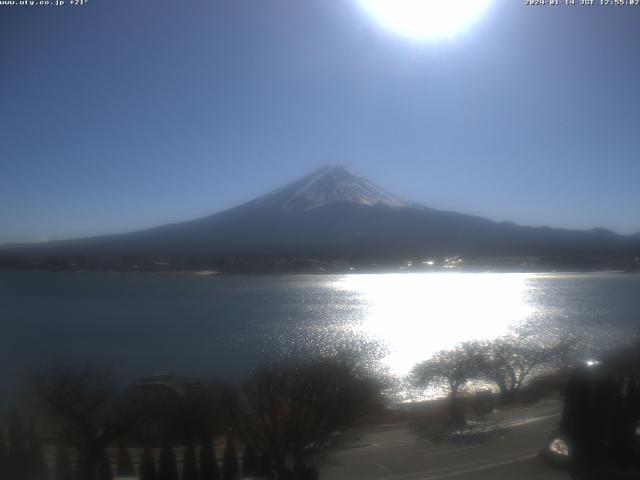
(226, 326)
(415, 315)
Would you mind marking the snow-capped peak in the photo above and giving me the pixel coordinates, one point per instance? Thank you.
(330, 185)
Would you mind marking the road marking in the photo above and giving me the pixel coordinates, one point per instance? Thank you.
(514, 423)
(341, 467)
(473, 466)
(376, 446)
(483, 466)
(373, 446)
(391, 425)
(526, 421)
(451, 450)
(432, 454)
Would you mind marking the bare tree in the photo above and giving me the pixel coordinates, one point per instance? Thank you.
(510, 361)
(451, 369)
(209, 469)
(168, 469)
(37, 464)
(291, 412)
(230, 467)
(87, 412)
(189, 463)
(124, 465)
(250, 462)
(63, 470)
(104, 467)
(148, 465)
(18, 459)
(190, 412)
(4, 455)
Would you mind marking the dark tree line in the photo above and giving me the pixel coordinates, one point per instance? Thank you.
(282, 417)
(165, 467)
(87, 413)
(21, 451)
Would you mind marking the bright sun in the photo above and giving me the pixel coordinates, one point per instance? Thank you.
(425, 19)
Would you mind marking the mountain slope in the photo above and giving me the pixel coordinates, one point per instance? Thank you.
(334, 214)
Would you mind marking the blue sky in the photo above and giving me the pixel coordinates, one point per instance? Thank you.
(125, 114)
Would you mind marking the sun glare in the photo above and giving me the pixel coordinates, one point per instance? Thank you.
(418, 314)
(425, 19)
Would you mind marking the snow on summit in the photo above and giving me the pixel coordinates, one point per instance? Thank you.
(330, 185)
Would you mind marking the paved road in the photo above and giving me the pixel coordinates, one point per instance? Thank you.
(400, 452)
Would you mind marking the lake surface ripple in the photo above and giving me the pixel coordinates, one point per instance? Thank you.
(224, 326)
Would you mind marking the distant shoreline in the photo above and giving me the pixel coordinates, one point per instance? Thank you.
(223, 273)
(198, 273)
(205, 273)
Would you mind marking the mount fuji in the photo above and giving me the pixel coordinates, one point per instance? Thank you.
(330, 185)
(333, 214)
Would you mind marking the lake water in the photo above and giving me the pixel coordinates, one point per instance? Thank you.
(222, 326)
